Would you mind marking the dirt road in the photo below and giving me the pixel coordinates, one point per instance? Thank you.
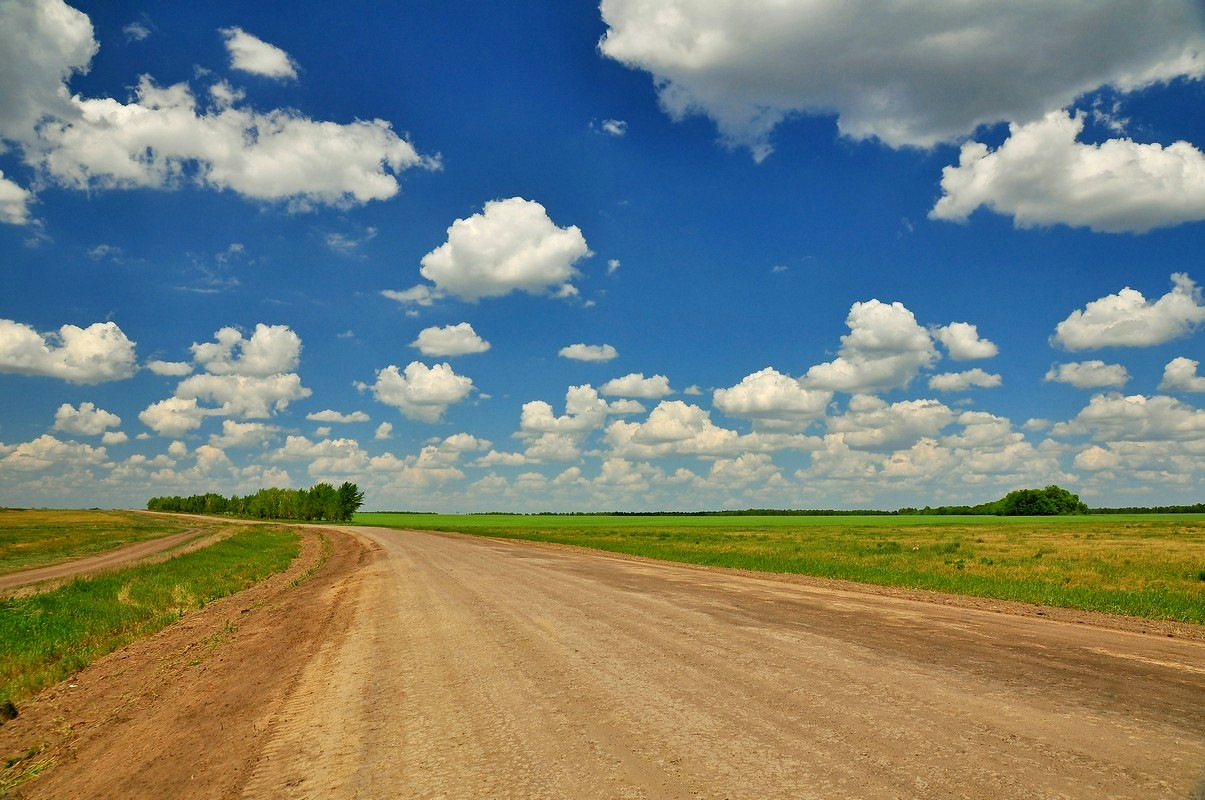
(438, 666)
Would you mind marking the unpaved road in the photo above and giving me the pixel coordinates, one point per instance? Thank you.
(422, 665)
(110, 559)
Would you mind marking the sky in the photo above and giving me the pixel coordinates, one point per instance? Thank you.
(539, 256)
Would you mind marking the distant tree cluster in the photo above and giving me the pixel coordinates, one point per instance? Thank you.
(320, 502)
(1048, 502)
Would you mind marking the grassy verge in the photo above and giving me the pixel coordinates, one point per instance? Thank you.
(1149, 566)
(46, 637)
(38, 538)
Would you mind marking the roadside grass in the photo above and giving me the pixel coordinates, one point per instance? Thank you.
(38, 538)
(1147, 565)
(46, 637)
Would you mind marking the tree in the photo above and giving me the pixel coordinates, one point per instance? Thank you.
(350, 500)
(1051, 501)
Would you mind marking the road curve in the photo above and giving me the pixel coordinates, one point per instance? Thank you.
(478, 668)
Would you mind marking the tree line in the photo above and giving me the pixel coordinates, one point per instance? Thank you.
(320, 502)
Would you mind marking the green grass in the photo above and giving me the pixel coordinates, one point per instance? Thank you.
(46, 637)
(1149, 566)
(31, 539)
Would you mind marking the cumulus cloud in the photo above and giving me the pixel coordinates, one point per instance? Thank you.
(636, 385)
(589, 352)
(872, 424)
(421, 392)
(1042, 176)
(270, 350)
(963, 342)
(884, 349)
(101, 352)
(383, 431)
(420, 295)
(772, 399)
(450, 340)
(672, 427)
(1135, 418)
(173, 417)
(177, 369)
(512, 245)
(161, 140)
(248, 396)
(166, 137)
(330, 415)
(87, 420)
(914, 73)
(584, 411)
(14, 202)
(1127, 319)
(614, 127)
(961, 381)
(1093, 374)
(46, 452)
(251, 54)
(241, 434)
(1180, 375)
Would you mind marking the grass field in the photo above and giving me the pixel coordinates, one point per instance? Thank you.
(1142, 565)
(46, 637)
(38, 538)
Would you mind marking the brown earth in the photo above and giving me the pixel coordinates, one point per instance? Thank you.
(426, 665)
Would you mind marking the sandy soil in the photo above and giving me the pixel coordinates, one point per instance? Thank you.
(438, 666)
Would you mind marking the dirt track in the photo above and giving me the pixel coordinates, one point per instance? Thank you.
(431, 666)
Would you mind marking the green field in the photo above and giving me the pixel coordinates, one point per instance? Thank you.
(46, 637)
(38, 538)
(1147, 565)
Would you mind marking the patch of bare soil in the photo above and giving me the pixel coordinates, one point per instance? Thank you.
(184, 712)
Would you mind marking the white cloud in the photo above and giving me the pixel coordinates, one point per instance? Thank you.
(589, 352)
(136, 31)
(773, 399)
(1114, 418)
(251, 54)
(913, 73)
(330, 415)
(173, 417)
(450, 340)
(176, 369)
(1096, 458)
(1042, 176)
(46, 452)
(422, 393)
(872, 424)
(115, 437)
(247, 396)
(612, 266)
(1127, 319)
(963, 342)
(420, 295)
(884, 349)
(512, 245)
(584, 411)
(14, 202)
(87, 420)
(961, 381)
(636, 385)
(42, 45)
(672, 427)
(1180, 375)
(101, 352)
(163, 140)
(1089, 374)
(383, 431)
(272, 349)
(614, 127)
(241, 434)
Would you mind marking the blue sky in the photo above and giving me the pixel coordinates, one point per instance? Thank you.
(549, 256)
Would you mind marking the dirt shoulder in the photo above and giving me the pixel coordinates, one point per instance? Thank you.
(168, 716)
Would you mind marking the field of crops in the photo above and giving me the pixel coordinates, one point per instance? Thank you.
(1142, 565)
(34, 538)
